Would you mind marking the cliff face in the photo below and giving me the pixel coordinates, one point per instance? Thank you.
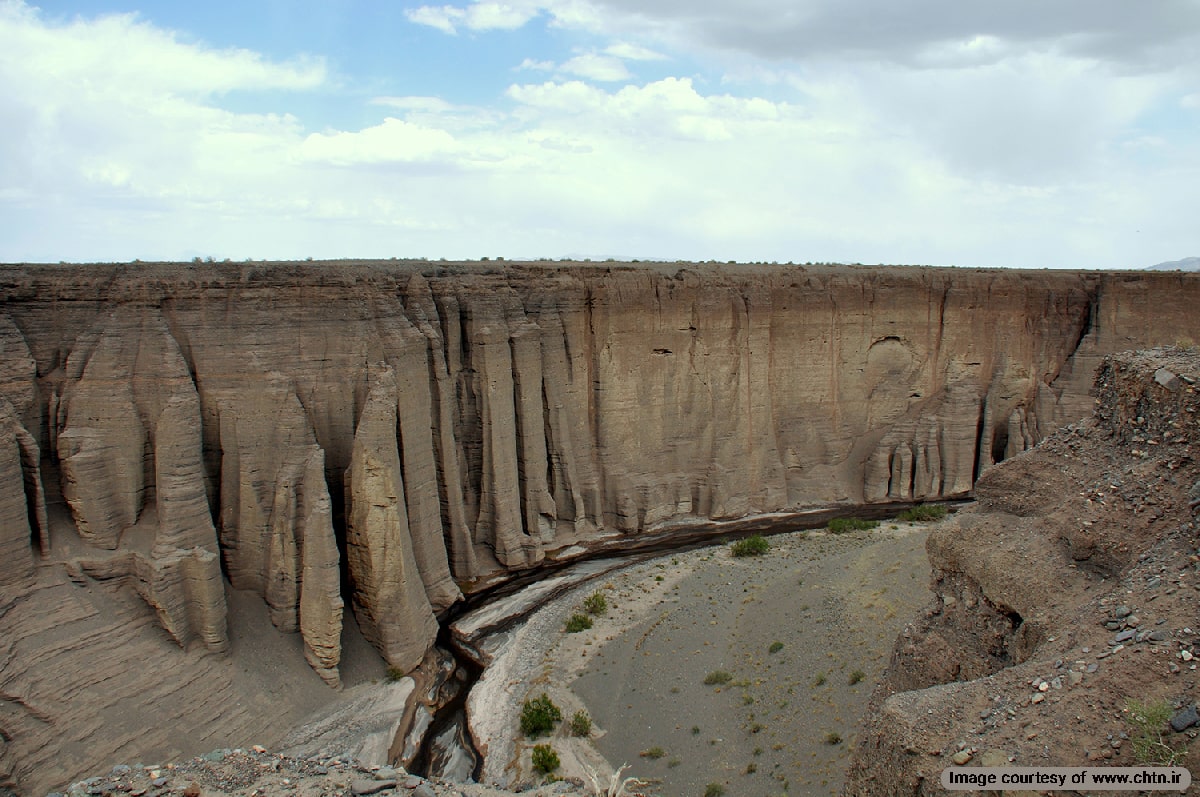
(385, 432)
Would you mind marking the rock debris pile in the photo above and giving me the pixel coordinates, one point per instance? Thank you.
(255, 772)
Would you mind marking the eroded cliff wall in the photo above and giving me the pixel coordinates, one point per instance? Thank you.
(387, 433)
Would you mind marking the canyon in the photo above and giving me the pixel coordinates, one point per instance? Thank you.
(327, 444)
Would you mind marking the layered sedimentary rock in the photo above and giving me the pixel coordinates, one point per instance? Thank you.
(127, 427)
(389, 596)
(389, 433)
(277, 534)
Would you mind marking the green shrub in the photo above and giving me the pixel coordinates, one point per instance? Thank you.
(595, 603)
(578, 622)
(1149, 724)
(545, 760)
(843, 524)
(581, 724)
(775, 647)
(538, 716)
(717, 677)
(755, 545)
(653, 753)
(714, 790)
(923, 513)
(857, 676)
(833, 737)
(819, 680)
(395, 674)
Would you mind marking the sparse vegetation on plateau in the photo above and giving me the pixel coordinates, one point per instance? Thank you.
(717, 677)
(840, 525)
(581, 724)
(714, 790)
(923, 513)
(755, 545)
(654, 753)
(595, 603)
(538, 716)
(775, 647)
(578, 622)
(856, 676)
(545, 760)
(833, 737)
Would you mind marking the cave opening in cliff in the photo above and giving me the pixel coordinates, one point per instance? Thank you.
(980, 428)
(999, 443)
(337, 509)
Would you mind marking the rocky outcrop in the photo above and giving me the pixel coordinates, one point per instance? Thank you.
(1064, 593)
(389, 596)
(395, 432)
(22, 505)
(277, 534)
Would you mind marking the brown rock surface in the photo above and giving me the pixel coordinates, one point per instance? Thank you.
(190, 429)
(1066, 591)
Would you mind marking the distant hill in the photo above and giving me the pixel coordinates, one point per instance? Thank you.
(1187, 264)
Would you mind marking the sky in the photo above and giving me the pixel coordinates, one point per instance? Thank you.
(1047, 133)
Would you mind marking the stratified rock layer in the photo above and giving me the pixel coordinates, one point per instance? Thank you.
(394, 432)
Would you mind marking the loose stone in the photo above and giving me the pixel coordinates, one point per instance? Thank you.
(1185, 719)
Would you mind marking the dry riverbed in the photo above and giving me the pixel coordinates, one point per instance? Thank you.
(804, 632)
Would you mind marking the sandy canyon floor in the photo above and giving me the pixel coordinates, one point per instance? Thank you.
(804, 632)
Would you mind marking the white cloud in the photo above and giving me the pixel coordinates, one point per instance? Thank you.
(444, 18)
(537, 66)
(593, 66)
(134, 54)
(484, 15)
(425, 104)
(392, 141)
(120, 103)
(499, 16)
(633, 52)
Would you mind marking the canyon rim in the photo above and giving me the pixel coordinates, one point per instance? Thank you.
(384, 436)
